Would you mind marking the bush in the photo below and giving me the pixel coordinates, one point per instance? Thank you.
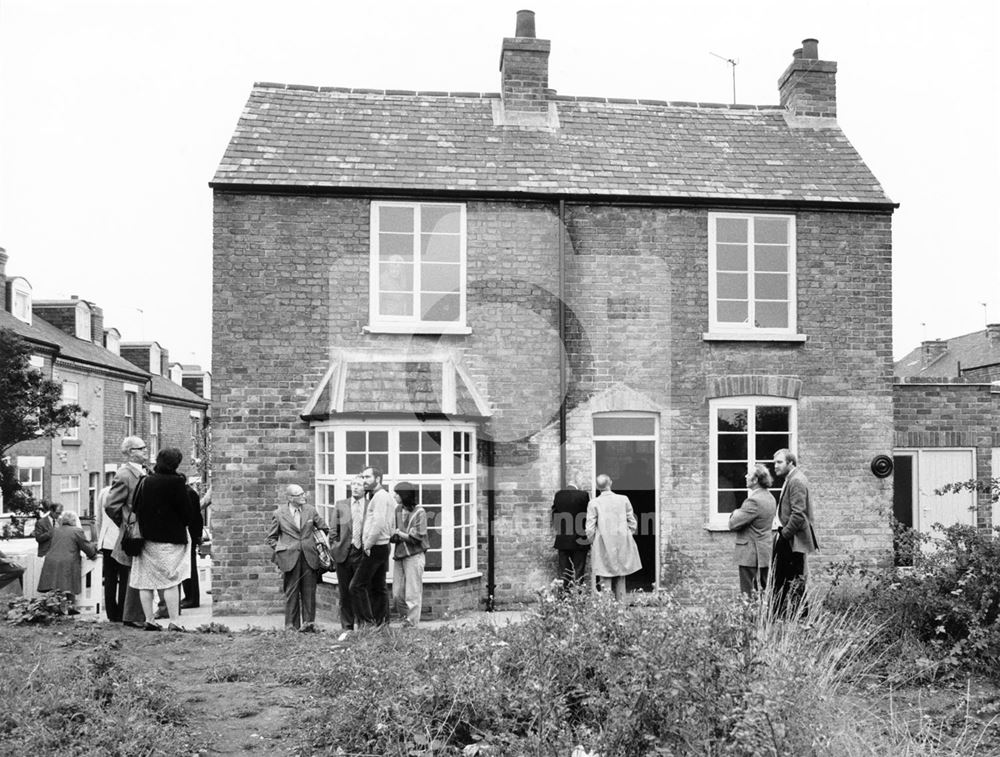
(719, 679)
(41, 609)
(948, 601)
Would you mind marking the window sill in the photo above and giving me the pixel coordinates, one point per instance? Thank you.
(751, 336)
(331, 578)
(71, 442)
(416, 328)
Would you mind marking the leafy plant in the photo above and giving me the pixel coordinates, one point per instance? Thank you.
(41, 609)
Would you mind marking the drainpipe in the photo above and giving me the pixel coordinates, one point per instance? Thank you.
(491, 506)
(562, 343)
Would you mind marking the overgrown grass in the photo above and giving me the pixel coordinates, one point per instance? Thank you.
(100, 702)
(721, 678)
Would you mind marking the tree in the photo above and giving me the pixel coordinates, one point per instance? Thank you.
(31, 407)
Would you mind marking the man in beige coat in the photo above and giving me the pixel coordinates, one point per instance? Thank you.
(610, 525)
(752, 523)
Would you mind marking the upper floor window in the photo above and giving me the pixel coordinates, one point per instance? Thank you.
(29, 473)
(417, 277)
(21, 296)
(751, 273)
(131, 399)
(155, 417)
(71, 396)
(69, 492)
(83, 321)
(745, 431)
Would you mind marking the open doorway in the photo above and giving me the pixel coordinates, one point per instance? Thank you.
(625, 448)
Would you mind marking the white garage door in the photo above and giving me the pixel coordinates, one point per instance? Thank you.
(935, 468)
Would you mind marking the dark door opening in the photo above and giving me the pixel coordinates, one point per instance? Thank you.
(902, 509)
(631, 465)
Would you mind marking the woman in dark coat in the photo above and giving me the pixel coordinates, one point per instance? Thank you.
(61, 569)
(163, 509)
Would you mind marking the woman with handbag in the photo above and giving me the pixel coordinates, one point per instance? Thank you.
(163, 511)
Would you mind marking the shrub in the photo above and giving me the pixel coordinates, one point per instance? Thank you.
(41, 609)
(716, 678)
(948, 601)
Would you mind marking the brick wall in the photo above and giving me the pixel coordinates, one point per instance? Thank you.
(291, 284)
(930, 413)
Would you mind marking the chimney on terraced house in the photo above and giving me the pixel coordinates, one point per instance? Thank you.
(524, 74)
(808, 88)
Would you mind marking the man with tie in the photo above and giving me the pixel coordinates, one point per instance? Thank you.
(347, 515)
(44, 527)
(292, 538)
(378, 518)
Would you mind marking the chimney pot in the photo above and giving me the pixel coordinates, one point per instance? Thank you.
(808, 87)
(797, 53)
(810, 48)
(525, 24)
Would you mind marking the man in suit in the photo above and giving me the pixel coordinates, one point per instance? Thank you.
(569, 524)
(794, 537)
(378, 519)
(44, 526)
(752, 521)
(118, 507)
(347, 514)
(292, 538)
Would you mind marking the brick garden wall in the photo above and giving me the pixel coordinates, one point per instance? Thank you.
(950, 413)
(291, 285)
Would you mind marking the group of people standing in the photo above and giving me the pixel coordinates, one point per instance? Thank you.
(168, 513)
(771, 536)
(364, 529)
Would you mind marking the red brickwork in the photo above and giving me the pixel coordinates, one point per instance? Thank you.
(950, 413)
(291, 285)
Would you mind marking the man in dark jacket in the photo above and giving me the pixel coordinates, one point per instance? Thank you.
(569, 524)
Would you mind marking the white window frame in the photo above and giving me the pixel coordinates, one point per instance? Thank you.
(456, 471)
(155, 430)
(83, 324)
(746, 330)
(69, 484)
(20, 295)
(35, 466)
(71, 397)
(720, 521)
(414, 324)
(131, 392)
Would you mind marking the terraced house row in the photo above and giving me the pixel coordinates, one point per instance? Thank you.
(493, 294)
(125, 387)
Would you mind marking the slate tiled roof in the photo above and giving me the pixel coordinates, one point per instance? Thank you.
(69, 347)
(972, 351)
(168, 391)
(344, 139)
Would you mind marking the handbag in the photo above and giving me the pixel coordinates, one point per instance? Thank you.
(323, 551)
(132, 540)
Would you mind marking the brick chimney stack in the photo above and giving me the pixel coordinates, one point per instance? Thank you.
(808, 88)
(524, 69)
(932, 349)
(96, 324)
(993, 333)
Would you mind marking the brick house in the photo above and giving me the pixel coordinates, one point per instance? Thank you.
(490, 295)
(947, 415)
(71, 345)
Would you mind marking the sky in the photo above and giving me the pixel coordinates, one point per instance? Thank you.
(114, 116)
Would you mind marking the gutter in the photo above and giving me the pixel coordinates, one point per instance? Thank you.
(491, 506)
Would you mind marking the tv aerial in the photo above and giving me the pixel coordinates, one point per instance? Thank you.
(732, 63)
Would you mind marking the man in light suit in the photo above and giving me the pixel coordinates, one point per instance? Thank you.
(44, 526)
(293, 540)
(795, 537)
(347, 514)
(118, 507)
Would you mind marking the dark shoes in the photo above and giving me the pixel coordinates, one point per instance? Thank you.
(152, 626)
(132, 624)
(309, 628)
(189, 604)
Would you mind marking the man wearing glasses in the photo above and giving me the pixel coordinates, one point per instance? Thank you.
(292, 537)
(122, 602)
